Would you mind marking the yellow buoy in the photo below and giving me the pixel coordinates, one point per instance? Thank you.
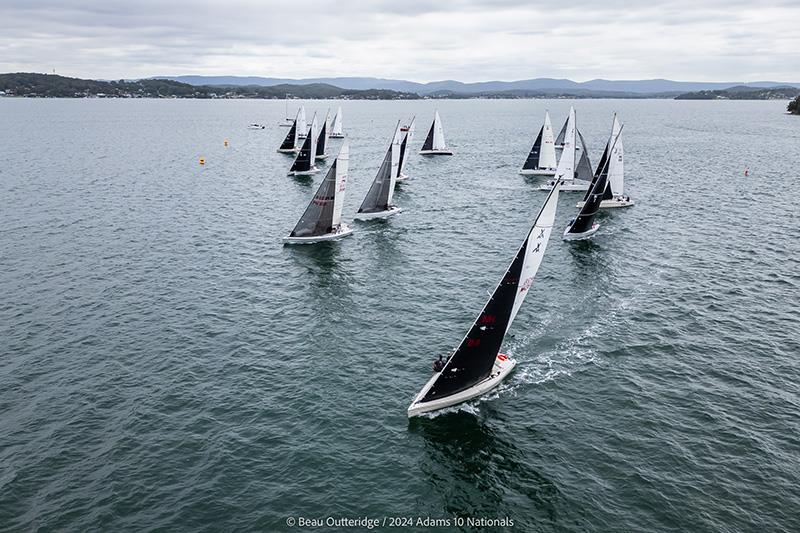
(202, 160)
(226, 142)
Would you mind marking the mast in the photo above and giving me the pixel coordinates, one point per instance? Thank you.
(324, 212)
(473, 359)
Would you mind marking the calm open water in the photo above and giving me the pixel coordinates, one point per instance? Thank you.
(166, 364)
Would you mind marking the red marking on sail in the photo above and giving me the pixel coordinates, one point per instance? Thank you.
(473, 343)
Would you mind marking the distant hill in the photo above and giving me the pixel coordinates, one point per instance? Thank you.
(743, 93)
(657, 87)
(53, 86)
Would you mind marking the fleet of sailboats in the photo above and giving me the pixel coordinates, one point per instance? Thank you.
(476, 365)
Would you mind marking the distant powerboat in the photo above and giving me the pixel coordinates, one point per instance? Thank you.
(255, 126)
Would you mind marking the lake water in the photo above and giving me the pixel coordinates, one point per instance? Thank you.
(166, 364)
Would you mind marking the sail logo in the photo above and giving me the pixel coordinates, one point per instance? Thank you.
(527, 285)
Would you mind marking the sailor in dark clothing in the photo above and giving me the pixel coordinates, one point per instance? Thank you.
(438, 365)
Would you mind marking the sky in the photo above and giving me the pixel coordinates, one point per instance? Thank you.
(465, 40)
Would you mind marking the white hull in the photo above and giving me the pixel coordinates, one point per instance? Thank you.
(501, 369)
(285, 124)
(580, 236)
(443, 151)
(344, 231)
(568, 186)
(540, 172)
(336, 136)
(322, 157)
(401, 177)
(287, 150)
(613, 203)
(380, 214)
(256, 127)
(310, 172)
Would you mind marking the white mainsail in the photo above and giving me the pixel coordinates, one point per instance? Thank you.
(547, 151)
(534, 252)
(438, 133)
(616, 172)
(342, 166)
(566, 164)
(336, 127)
(314, 134)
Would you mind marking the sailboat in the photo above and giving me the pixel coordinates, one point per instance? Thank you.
(409, 135)
(322, 140)
(336, 125)
(476, 366)
(304, 162)
(614, 194)
(541, 160)
(287, 122)
(575, 177)
(302, 126)
(378, 202)
(322, 220)
(290, 143)
(583, 226)
(434, 142)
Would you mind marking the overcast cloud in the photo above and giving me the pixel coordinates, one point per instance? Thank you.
(702, 40)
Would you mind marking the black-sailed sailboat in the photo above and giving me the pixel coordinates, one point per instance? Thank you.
(407, 137)
(434, 143)
(290, 143)
(614, 195)
(583, 226)
(573, 163)
(541, 159)
(304, 163)
(378, 202)
(322, 219)
(477, 366)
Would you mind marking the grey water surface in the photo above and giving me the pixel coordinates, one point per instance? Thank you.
(166, 364)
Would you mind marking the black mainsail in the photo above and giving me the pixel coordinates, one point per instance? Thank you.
(322, 140)
(318, 217)
(288, 143)
(532, 163)
(379, 196)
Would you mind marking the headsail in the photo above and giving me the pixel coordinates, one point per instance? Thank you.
(379, 196)
(473, 359)
(322, 140)
(324, 213)
(547, 152)
(583, 171)
(532, 162)
(336, 126)
(616, 171)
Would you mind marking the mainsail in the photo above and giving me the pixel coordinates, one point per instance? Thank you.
(305, 158)
(547, 153)
(473, 359)
(379, 196)
(336, 126)
(324, 213)
(302, 126)
(566, 163)
(616, 171)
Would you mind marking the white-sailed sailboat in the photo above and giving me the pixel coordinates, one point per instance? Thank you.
(407, 137)
(322, 139)
(378, 202)
(304, 163)
(291, 142)
(322, 219)
(434, 143)
(583, 226)
(569, 165)
(302, 125)
(477, 366)
(336, 125)
(614, 194)
(541, 160)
